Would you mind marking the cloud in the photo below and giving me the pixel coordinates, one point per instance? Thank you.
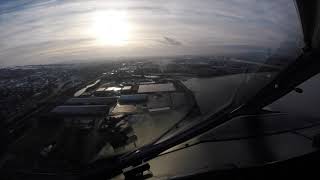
(38, 31)
(171, 41)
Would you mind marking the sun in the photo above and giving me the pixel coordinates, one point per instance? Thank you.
(111, 28)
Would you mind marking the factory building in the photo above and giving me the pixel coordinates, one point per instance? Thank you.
(126, 90)
(77, 142)
(156, 88)
(92, 101)
(132, 99)
(83, 110)
(109, 91)
(82, 117)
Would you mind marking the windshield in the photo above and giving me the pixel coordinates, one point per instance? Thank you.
(88, 81)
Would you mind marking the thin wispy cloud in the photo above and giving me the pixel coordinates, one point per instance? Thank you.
(171, 41)
(50, 31)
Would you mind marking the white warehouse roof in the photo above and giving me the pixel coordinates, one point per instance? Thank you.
(152, 88)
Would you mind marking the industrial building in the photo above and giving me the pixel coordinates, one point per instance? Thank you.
(125, 110)
(126, 90)
(83, 110)
(91, 101)
(80, 121)
(134, 98)
(155, 88)
(109, 91)
(113, 89)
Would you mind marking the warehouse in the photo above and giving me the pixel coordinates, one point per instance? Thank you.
(84, 110)
(92, 101)
(135, 98)
(154, 88)
(126, 90)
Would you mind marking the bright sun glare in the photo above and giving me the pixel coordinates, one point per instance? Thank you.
(111, 28)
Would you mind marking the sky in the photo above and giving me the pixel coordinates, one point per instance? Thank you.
(56, 31)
